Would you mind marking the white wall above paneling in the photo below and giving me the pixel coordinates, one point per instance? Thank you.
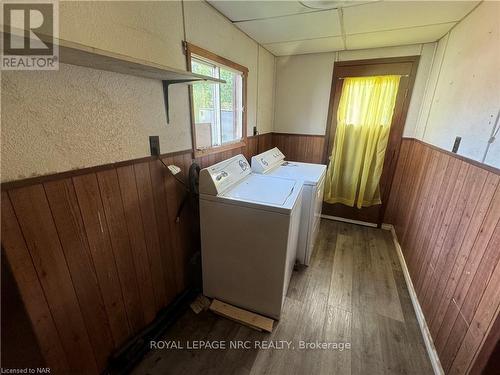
(292, 28)
(107, 117)
(414, 35)
(265, 92)
(465, 96)
(303, 93)
(334, 43)
(361, 54)
(427, 54)
(381, 15)
(303, 85)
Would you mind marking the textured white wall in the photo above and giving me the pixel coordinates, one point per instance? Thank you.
(150, 30)
(463, 98)
(79, 117)
(265, 91)
(303, 84)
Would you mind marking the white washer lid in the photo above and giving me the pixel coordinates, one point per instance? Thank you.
(266, 191)
(311, 174)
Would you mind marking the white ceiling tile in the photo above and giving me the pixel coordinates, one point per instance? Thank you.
(293, 28)
(412, 35)
(388, 15)
(306, 46)
(248, 10)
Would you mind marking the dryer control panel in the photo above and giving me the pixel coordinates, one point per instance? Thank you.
(267, 160)
(219, 177)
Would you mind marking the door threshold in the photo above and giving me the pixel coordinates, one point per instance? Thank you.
(338, 218)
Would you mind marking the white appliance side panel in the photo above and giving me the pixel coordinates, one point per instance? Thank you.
(305, 222)
(244, 256)
(317, 206)
(293, 236)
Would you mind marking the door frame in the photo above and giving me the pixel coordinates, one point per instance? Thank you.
(397, 126)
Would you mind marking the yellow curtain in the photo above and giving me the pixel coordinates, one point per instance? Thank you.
(363, 122)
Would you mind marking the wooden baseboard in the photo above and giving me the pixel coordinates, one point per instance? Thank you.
(429, 343)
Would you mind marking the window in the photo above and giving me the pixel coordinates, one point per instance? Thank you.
(218, 109)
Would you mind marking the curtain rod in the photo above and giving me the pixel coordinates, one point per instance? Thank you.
(401, 75)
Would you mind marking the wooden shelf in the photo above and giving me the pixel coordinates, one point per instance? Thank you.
(81, 55)
(78, 54)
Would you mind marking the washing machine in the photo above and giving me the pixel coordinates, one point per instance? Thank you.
(272, 163)
(249, 233)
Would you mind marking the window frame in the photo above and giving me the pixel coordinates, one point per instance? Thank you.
(191, 49)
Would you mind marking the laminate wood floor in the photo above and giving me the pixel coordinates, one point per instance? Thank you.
(353, 292)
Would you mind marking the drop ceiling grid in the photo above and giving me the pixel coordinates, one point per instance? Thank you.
(306, 46)
(293, 28)
(382, 16)
(287, 28)
(248, 10)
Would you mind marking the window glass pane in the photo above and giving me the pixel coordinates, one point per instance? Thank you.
(218, 108)
(204, 98)
(227, 106)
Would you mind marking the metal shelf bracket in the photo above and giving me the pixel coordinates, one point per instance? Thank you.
(166, 85)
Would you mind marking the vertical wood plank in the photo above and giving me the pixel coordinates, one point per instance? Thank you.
(35, 219)
(135, 226)
(392, 204)
(437, 221)
(31, 291)
(418, 177)
(438, 241)
(484, 318)
(441, 319)
(482, 277)
(183, 225)
(448, 351)
(427, 222)
(174, 193)
(94, 219)
(157, 172)
(411, 169)
(69, 224)
(115, 218)
(419, 209)
(454, 238)
(150, 227)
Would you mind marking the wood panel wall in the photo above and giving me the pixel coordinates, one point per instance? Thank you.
(300, 147)
(446, 212)
(254, 145)
(96, 253)
(296, 147)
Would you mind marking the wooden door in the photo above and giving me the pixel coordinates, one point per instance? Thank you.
(407, 68)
